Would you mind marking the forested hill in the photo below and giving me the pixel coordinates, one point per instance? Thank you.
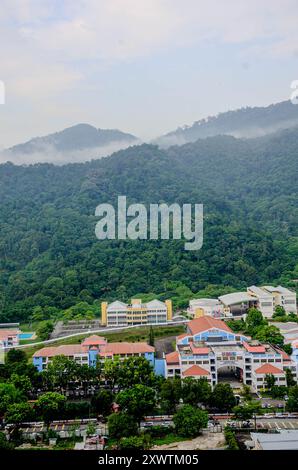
(50, 257)
(78, 143)
(245, 122)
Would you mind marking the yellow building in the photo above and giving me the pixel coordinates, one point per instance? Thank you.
(136, 313)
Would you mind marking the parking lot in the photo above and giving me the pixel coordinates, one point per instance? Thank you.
(278, 424)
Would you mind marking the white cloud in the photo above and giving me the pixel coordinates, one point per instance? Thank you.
(48, 47)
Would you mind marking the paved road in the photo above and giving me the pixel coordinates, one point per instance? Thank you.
(101, 330)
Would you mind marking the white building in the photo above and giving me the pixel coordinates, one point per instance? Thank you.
(265, 300)
(136, 313)
(211, 307)
(283, 297)
(210, 349)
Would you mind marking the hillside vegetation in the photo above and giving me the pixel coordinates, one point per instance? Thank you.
(50, 259)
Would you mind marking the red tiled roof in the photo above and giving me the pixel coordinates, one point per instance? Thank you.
(195, 370)
(269, 369)
(63, 350)
(5, 333)
(172, 358)
(94, 340)
(254, 349)
(206, 323)
(284, 355)
(126, 348)
(182, 336)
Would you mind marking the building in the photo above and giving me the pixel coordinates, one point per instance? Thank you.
(199, 307)
(136, 313)
(283, 297)
(9, 338)
(210, 349)
(236, 304)
(93, 349)
(283, 440)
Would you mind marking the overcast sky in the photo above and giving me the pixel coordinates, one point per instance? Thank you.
(142, 66)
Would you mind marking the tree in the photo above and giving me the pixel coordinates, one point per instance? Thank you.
(151, 336)
(122, 425)
(135, 370)
(102, 402)
(246, 393)
(170, 394)
(278, 391)
(16, 356)
(292, 403)
(22, 383)
(111, 371)
(222, 397)
(279, 311)
(135, 442)
(44, 330)
(61, 371)
(290, 377)
(9, 394)
(18, 413)
(254, 320)
(137, 401)
(269, 381)
(91, 429)
(189, 421)
(247, 411)
(288, 349)
(4, 443)
(195, 391)
(50, 405)
(270, 334)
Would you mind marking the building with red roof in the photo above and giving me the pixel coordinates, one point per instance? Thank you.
(210, 349)
(91, 350)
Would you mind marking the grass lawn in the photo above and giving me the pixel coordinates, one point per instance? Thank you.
(169, 439)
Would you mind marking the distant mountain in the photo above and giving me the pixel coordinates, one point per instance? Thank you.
(75, 144)
(244, 122)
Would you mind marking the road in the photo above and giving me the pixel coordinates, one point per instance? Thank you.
(101, 330)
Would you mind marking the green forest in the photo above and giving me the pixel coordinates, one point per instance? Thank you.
(51, 263)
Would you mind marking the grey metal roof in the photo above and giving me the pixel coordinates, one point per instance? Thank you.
(284, 440)
(236, 298)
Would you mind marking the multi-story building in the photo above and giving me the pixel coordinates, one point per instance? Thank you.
(236, 304)
(9, 338)
(210, 349)
(136, 313)
(200, 307)
(283, 297)
(93, 349)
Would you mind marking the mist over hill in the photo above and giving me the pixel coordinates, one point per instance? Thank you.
(245, 122)
(78, 143)
(50, 258)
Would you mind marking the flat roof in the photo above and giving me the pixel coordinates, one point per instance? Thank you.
(236, 298)
(204, 302)
(284, 440)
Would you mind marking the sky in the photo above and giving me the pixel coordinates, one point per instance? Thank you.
(141, 66)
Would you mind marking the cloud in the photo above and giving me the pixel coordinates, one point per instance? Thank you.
(48, 154)
(50, 48)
